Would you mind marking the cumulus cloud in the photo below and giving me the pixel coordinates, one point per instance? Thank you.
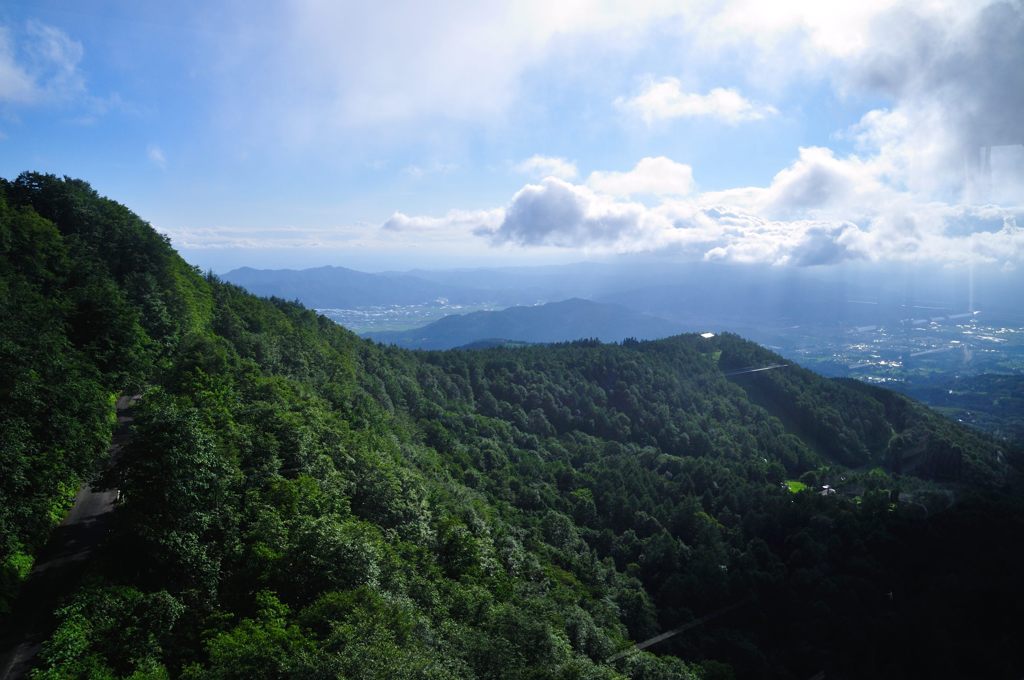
(816, 184)
(959, 87)
(658, 176)
(948, 73)
(820, 210)
(40, 67)
(547, 166)
(558, 213)
(823, 209)
(798, 243)
(665, 99)
(917, 186)
(951, 71)
(968, 63)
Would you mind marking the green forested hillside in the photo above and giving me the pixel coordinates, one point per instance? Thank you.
(87, 310)
(298, 502)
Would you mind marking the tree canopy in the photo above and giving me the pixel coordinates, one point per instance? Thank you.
(298, 502)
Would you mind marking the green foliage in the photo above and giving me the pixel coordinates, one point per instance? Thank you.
(301, 503)
(111, 632)
(178, 489)
(265, 646)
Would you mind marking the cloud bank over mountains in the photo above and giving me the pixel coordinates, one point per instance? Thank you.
(936, 176)
(820, 210)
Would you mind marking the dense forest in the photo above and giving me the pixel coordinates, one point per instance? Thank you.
(299, 503)
(991, 402)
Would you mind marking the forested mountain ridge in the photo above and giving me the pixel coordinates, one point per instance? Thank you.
(302, 503)
(87, 311)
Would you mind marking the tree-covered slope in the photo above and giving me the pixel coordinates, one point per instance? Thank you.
(298, 502)
(91, 302)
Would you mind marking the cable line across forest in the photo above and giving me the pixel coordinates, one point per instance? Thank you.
(754, 369)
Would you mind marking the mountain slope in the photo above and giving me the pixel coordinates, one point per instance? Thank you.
(553, 322)
(298, 502)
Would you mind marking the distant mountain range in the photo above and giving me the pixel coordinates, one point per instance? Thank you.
(694, 294)
(338, 287)
(571, 319)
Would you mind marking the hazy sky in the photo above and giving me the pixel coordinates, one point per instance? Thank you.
(395, 134)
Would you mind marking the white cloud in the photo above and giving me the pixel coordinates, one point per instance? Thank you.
(820, 210)
(665, 99)
(949, 74)
(56, 57)
(658, 176)
(16, 85)
(156, 156)
(558, 213)
(547, 166)
(950, 70)
(817, 184)
(865, 212)
(746, 239)
(793, 30)
(947, 67)
(454, 223)
(41, 67)
(359, 65)
(949, 102)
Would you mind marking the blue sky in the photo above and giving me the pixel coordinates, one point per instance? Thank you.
(399, 135)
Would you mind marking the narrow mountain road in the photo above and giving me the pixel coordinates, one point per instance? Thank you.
(61, 564)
